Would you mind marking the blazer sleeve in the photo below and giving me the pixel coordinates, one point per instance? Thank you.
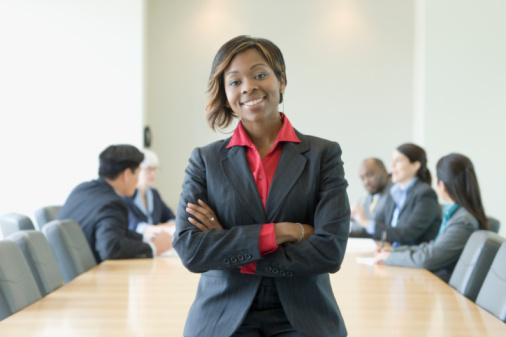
(439, 253)
(324, 251)
(114, 240)
(414, 221)
(215, 249)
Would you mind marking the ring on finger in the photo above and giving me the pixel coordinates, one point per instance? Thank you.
(212, 219)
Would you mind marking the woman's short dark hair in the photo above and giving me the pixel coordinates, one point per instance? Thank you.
(416, 154)
(456, 171)
(117, 158)
(218, 115)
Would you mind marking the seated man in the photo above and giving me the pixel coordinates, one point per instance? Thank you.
(98, 208)
(377, 182)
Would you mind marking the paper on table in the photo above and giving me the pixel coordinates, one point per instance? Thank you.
(366, 260)
(361, 245)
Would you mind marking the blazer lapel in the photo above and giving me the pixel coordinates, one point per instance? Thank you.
(409, 197)
(238, 175)
(290, 167)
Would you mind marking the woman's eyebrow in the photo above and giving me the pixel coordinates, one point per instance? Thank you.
(253, 66)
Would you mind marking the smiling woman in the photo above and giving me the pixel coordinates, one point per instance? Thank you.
(263, 214)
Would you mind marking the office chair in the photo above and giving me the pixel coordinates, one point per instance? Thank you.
(493, 224)
(46, 214)
(17, 286)
(40, 259)
(13, 222)
(474, 262)
(492, 295)
(70, 247)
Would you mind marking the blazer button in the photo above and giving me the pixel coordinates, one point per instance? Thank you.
(226, 261)
(233, 259)
(268, 268)
(282, 273)
(240, 258)
(248, 256)
(289, 273)
(275, 270)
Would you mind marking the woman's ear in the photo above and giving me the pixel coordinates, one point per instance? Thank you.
(282, 84)
(442, 186)
(417, 165)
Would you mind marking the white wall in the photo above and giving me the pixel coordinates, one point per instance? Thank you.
(349, 69)
(71, 83)
(368, 74)
(465, 90)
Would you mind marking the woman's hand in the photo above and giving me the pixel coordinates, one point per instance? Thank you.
(381, 255)
(204, 217)
(291, 232)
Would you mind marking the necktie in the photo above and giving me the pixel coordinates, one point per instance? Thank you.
(373, 205)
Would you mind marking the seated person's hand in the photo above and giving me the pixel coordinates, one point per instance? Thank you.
(381, 255)
(152, 230)
(358, 213)
(162, 242)
(169, 227)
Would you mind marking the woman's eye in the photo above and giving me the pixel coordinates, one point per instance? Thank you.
(260, 76)
(233, 83)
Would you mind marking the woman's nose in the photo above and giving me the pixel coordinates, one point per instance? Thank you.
(248, 87)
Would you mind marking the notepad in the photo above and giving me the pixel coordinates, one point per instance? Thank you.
(366, 260)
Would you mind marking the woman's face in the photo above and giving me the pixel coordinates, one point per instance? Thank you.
(252, 88)
(402, 169)
(147, 176)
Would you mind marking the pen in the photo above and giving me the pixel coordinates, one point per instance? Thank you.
(383, 238)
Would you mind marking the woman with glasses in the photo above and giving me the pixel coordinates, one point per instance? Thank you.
(147, 213)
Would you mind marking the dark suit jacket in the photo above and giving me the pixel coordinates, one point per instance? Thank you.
(419, 220)
(308, 187)
(441, 255)
(161, 212)
(103, 216)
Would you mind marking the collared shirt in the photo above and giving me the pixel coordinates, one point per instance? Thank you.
(263, 172)
(399, 196)
(139, 202)
(448, 211)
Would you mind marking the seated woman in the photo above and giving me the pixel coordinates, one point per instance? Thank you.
(411, 213)
(462, 215)
(147, 213)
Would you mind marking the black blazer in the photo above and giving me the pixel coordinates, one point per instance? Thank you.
(419, 220)
(308, 187)
(103, 216)
(161, 212)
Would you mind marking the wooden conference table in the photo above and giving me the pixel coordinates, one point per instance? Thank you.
(151, 297)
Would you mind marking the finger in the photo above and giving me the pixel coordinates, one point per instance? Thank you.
(195, 212)
(203, 204)
(203, 218)
(206, 211)
(197, 224)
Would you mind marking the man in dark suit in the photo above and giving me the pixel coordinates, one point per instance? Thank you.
(98, 208)
(377, 183)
